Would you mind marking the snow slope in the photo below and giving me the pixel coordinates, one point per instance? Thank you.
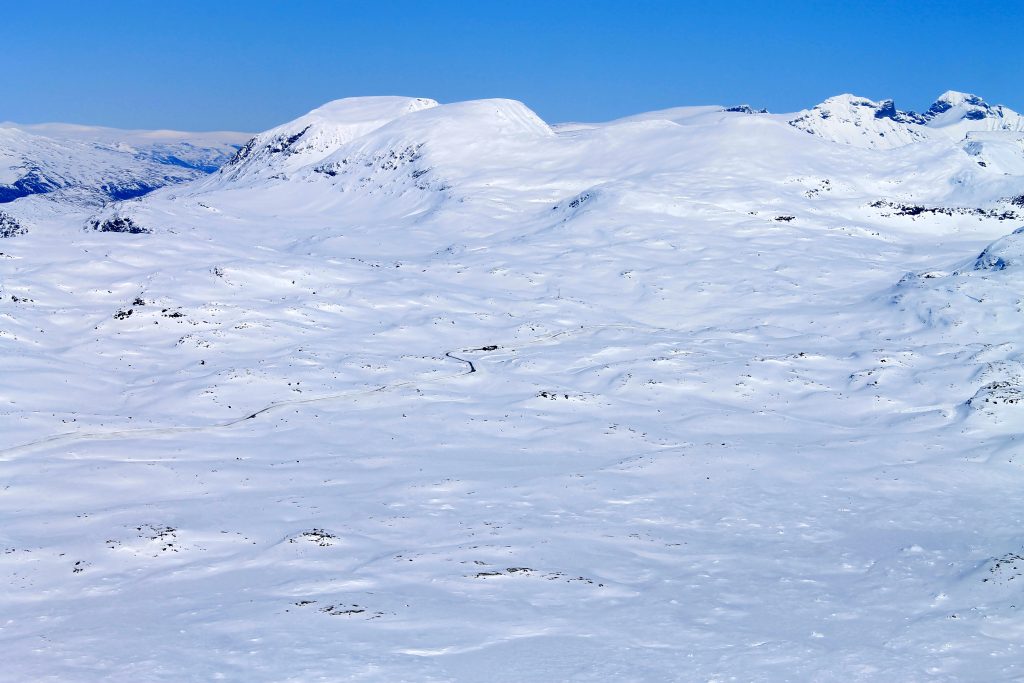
(412, 391)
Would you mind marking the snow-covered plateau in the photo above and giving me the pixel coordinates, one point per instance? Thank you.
(418, 392)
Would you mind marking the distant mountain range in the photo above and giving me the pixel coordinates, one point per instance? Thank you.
(92, 165)
(862, 122)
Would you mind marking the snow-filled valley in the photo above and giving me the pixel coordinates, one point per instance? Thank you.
(409, 391)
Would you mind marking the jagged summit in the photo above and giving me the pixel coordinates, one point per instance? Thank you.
(859, 106)
(962, 113)
(862, 122)
(953, 98)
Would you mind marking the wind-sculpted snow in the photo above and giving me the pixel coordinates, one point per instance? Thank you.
(977, 306)
(446, 393)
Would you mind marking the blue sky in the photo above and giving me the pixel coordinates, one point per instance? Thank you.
(248, 66)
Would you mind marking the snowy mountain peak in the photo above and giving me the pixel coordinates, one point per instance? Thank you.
(853, 108)
(353, 110)
(963, 113)
(499, 117)
(315, 135)
(953, 105)
(854, 120)
(379, 141)
(954, 98)
(858, 121)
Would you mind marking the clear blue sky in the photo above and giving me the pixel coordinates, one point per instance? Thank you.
(251, 65)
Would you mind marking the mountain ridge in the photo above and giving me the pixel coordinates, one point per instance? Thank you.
(863, 122)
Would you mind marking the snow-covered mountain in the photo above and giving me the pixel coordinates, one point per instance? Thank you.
(422, 391)
(93, 165)
(862, 122)
(310, 138)
(959, 114)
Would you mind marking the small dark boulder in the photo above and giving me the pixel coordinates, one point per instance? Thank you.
(118, 224)
(10, 227)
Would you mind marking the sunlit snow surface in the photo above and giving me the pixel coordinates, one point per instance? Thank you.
(442, 393)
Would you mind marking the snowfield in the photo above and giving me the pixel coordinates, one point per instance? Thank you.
(421, 392)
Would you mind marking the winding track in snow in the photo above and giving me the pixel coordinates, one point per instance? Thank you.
(8, 453)
(20, 449)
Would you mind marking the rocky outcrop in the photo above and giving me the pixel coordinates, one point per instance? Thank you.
(117, 224)
(10, 227)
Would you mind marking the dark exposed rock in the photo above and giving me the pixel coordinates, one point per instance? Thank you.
(37, 181)
(887, 110)
(282, 144)
(33, 182)
(243, 152)
(10, 227)
(745, 109)
(132, 190)
(117, 224)
(941, 106)
(914, 210)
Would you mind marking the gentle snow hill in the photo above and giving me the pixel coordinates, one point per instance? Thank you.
(406, 156)
(91, 165)
(378, 157)
(678, 115)
(439, 392)
(974, 303)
